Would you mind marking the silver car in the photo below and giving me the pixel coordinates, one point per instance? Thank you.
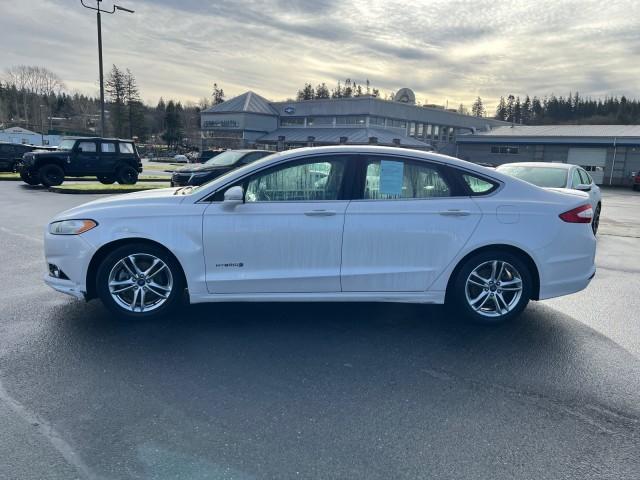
(558, 176)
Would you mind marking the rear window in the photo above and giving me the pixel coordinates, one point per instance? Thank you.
(479, 185)
(546, 177)
(126, 147)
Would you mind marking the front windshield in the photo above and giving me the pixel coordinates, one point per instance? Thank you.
(66, 144)
(225, 159)
(546, 177)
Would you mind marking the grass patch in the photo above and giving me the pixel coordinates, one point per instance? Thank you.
(101, 188)
(9, 176)
(162, 166)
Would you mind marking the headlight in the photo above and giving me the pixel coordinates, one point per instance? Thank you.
(71, 227)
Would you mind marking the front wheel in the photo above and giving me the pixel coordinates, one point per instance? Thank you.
(139, 281)
(51, 175)
(491, 287)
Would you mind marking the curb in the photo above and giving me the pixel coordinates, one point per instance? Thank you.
(75, 191)
(89, 179)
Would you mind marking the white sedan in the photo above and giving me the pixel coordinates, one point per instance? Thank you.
(384, 224)
(558, 175)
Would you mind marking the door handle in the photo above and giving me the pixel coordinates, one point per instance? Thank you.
(455, 213)
(319, 213)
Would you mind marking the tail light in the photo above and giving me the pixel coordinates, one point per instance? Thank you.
(581, 214)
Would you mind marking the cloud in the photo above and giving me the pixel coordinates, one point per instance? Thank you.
(446, 50)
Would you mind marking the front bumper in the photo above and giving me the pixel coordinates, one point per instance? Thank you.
(71, 254)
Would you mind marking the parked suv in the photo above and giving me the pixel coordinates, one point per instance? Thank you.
(109, 159)
(11, 154)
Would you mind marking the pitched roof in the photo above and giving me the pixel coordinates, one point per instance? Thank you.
(332, 135)
(248, 102)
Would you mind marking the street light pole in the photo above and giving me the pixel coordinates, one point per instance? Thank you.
(98, 12)
(101, 70)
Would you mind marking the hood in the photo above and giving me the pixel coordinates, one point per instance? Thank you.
(202, 168)
(156, 196)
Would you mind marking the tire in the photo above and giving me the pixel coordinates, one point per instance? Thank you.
(127, 175)
(29, 178)
(636, 188)
(161, 290)
(487, 297)
(595, 223)
(106, 179)
(51, 175)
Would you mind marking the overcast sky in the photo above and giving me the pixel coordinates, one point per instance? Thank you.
(452, 50)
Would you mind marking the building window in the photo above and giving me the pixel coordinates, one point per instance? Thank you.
(396, 123)
(292, 122)
(351, 120)
(315, 121)
(420, 130)
(452, 134)
(445, 134)
(428, 130)
(376, 121)
(436, 132)
(505, 150)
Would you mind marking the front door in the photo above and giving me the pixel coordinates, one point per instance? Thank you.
(287, 235)
(408, 226)
(85, 158)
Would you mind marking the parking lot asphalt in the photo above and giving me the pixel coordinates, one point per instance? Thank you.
(252, 391)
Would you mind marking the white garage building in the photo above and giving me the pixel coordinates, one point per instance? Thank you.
(609, 152)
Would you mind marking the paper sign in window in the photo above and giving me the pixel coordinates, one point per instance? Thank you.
(391, 175)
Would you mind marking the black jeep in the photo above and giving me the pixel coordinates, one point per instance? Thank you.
(109, 159)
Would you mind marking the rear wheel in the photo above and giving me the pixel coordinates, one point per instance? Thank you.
(127, 175)
(29, 178)
(106, 179)
(51, 175)
(140, 281)
(491, 287)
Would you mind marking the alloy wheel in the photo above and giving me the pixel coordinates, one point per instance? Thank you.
(140, 282)
(493, 288)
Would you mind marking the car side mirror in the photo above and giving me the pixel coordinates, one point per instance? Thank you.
(234, 196)
(583, 187)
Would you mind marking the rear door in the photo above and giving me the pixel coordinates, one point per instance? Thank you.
(411, 219)
(108, 157)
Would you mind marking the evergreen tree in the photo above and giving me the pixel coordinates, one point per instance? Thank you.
(501, 110)
(217, 94)
(477, 109)
(525, 115)
(115, 86)
(322, 91)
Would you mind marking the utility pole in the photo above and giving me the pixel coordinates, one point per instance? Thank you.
(98, 12)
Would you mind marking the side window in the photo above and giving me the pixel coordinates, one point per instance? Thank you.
(126, 147)
(576, 180)
(586, 178)
(478, 185)
(87, 147)
(108, 147)
(312, 180)
(251, 157)
(396, 179)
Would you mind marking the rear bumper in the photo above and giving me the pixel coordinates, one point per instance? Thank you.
(568, 264)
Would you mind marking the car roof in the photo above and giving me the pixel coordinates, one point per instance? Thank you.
(559, 166)
(98, 138)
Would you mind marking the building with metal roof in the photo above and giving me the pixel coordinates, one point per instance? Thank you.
(609, 152)
(250, 120)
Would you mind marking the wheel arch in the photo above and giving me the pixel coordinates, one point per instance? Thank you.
(107, 248)
(531, 264)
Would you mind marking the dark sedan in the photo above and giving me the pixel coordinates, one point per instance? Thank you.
(218, 165)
